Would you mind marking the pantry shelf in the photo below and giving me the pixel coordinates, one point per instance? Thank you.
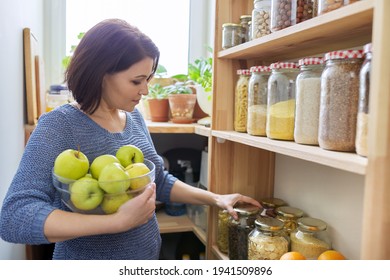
(344, 161)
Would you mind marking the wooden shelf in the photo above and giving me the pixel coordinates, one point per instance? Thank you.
(219, 254)
(169, 127)
(345, 161)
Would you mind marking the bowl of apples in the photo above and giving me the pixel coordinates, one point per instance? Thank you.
(104, 185)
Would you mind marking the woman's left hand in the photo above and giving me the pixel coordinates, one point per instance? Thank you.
(227, 201)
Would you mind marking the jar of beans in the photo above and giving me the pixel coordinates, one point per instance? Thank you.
(244, 21)
(267, 241)
(241, 100)
(257, 100)
(282, 14)
(311, 238)
(261, 18)
(339, 100)
(306, 9)
(364, 93)
(270, 204)
(238, 231)
(308, 92)
(325, 6)
(289, 216)
(281, 101)
(222, 231)
(231, 35)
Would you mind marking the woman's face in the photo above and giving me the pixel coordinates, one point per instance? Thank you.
(123, 90)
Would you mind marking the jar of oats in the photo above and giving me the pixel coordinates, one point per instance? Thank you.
(238, 231)
(311, 238)
(241, 100)
(364, 92)
(231, 35)
(281, 101)
(339, 100)
(308, 92)
(267, 241)
(261, 18)
(269, 205)
(289, 216)
(222, 231)
(257, 100)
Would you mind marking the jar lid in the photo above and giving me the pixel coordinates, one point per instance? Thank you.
(260, 68)
(229, 24)
(283, 65)
(246, 17)
(272, 202)
(344, 54)
(311, 61)
(246, 209)
(368, 48)
(289, 212)
(243, 72)
(269, 224)
(311, 224)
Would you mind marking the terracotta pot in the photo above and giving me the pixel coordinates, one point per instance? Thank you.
(159, 110)
(182, 107)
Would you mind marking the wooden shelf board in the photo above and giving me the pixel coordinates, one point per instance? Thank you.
(344, 161)
(351, 25)
(219, 254)
(169, 127)
(170, 224)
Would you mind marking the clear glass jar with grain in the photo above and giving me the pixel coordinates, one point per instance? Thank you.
(289, 216)
(244, 21)
(241, 100)
(222, 231)
(231, 35)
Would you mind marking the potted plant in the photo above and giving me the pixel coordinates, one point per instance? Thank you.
(158, 103)
(181, 102)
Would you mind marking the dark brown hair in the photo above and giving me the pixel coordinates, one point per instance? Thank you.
(110, 46)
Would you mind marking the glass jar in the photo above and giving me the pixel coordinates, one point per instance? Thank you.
(281, 101)
(244, 21)
(269, 205)
(289, 216)
(339, 100)
(364, 92)
(282, 14)
(238, 231)
(222, 231)
(257, 100)
(306, 9)
(261, 18)
(325, 6)
(267, 241)
(311, 238)
(231, 35)
(308, 92)
(241, 100)
(55, 100)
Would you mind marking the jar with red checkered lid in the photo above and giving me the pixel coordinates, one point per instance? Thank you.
(281, 101)
(308, 92)
(339, 100)
(241, 100)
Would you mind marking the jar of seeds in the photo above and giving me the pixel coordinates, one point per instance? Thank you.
(244, 21)
(267, 241)
(231, 35)
(289, 216)
(364, 93)
(270, 204)
(241, 100)
(222, 231)
(238, 231)
(339, 100)
(257, 100)
(311, 238)
(261, 18)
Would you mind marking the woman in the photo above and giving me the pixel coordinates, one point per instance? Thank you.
(108, 75)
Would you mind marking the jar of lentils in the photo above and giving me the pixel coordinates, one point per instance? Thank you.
(267, 241)
(289, 216)
(238, 231)
(257, 100)
(244, 21)
(269, 205)
(261, 18)
(339, 100)
(231, 35)
(308, 92)
(281, 101)
(241, 100)
(222, 231)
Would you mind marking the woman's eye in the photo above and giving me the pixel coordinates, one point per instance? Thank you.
(136, 83)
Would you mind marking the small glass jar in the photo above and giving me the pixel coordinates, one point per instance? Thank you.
(289, 216)
(364, 93)
(267, 241)
(55, 100)
(269, 205)
(244, 21)
(231, 35)
(306, 9)
(222, 231)
(308, 92)
(257, 100)
(238, 231)
(241, 100)
(311, 238)
(261, 18)
(283, 14)
(339, 100)
(281, 101)
(325, 6)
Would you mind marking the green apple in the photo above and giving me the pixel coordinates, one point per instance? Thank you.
(100, 162)
(85, 193)
(71, 164)
(111, 203)
(114, 178)
(136, 173)
(129, 154)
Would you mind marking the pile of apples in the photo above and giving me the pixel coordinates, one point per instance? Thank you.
(108, 182)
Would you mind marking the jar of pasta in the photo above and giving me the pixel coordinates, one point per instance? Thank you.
(267, 241)
(289, 216)
(231, 35)
(311, 238)
(222, 231)
(281, 101)
(238, 231)
(339, 100)
(257, 100)
(269, 205)
(241, 100)
(261, 18)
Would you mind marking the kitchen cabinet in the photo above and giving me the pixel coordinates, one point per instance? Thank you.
(260, 167)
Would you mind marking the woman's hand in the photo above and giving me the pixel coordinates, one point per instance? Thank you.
(228, 201)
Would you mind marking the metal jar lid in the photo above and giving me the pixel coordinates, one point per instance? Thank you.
(289, 212)
(272, 202)
(247, 210)
(269, 224)
(309, 224)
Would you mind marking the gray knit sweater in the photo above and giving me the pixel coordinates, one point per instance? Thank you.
(32, 197)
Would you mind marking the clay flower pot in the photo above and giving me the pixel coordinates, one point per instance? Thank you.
(182, 107)
(159, 110)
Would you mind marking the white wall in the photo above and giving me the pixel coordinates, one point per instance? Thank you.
(14, 16)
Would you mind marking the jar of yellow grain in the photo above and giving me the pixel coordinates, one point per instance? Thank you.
(241, 100)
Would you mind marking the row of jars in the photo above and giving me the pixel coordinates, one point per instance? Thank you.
(260, 236)
(272, 15)
(312, 102)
